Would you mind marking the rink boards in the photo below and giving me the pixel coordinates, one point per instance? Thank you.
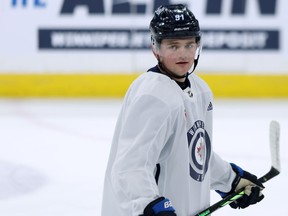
(115, 85)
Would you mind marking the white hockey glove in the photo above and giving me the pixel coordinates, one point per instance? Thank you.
(159, 207)
(252, 190)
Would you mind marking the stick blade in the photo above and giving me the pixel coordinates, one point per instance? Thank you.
(274, 135)
(274, 145)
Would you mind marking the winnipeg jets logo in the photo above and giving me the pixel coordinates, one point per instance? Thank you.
(199, 149)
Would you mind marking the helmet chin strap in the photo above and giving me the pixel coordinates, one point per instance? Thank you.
(194, 65)
(196, 60)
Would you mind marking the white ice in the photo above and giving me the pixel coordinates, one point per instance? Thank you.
(53, 153)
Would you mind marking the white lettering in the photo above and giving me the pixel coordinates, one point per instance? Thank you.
(139, 39)
(242, 40)
(181, 29)
(167, 204)
(102, 39)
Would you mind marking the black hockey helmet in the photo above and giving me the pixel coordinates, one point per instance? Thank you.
(174, 21)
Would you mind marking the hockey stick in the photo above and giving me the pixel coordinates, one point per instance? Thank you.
(274, 171)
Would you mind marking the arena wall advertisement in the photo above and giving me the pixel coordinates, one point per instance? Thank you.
(92, 41)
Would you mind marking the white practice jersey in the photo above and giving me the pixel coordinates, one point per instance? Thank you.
(162, 146)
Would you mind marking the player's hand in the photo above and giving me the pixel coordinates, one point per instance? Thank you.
(159, 207)
(252, 188)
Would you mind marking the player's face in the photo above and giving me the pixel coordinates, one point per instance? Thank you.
(177, 55)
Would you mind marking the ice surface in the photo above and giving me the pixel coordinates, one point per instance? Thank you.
(53, 153)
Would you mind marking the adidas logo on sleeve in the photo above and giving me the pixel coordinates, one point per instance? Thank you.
(210, 106)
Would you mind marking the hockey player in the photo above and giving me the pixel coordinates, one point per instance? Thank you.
(162, 161)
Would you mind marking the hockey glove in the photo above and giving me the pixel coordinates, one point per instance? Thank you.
(159, 207)
(252, 190)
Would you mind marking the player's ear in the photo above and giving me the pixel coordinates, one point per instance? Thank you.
(154, 47)
(154, 50)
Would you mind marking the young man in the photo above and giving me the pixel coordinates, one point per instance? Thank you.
(162, 162)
